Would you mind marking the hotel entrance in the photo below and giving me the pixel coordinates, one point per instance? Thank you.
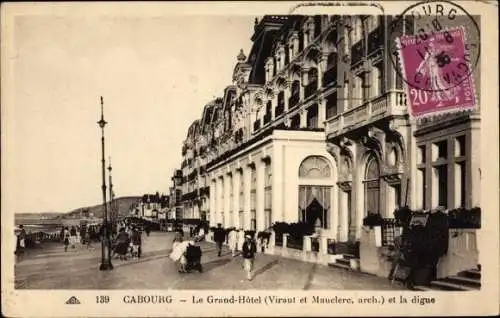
(315, 192)
(314, 205)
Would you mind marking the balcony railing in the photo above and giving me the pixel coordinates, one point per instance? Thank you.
(293, 100)
(389, 104)
(330, 77)
(311, 89)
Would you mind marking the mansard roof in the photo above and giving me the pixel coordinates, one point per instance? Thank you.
(265, 36)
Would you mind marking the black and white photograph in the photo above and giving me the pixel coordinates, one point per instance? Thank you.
(330, 151)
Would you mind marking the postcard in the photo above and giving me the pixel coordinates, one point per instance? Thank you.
(332, 158)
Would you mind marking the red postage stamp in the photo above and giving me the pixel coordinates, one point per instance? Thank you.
(436, 68)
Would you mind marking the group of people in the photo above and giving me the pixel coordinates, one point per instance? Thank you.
(128, 240)
(238, 241)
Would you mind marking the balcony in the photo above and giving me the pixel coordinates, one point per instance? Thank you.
(311, 89)
(293, 100)
(330, 77)
(392, 103)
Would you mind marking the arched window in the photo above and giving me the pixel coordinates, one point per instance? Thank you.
(372, 185)
(315, 167)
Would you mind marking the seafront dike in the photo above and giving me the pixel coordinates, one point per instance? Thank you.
(52, 268)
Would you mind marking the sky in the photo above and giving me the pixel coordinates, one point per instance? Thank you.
(155, 75)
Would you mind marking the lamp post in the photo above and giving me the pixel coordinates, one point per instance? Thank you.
(106, 243)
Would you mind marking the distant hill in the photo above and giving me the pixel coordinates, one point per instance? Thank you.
(124, 206)
(38, 215)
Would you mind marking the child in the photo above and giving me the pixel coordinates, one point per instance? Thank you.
(136, 242)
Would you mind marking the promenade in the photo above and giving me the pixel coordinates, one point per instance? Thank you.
(52, 268)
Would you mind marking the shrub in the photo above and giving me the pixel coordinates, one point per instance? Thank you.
(403, 216)
(280, 228)
(191, 221)
(300, 229)
(462, 218)
(262, 235)
(373, 219)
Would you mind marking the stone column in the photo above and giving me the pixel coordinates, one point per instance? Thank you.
(474, 168)
(278, 183)
(286, 96)
(227, 198)
(321, 69)
(321, 112)
(259, 208)
(345, 215)
(334, 218)
(247, 175)
(219, 202)
(303, 118)
(236, 199)
(212, 196)
(303, 80)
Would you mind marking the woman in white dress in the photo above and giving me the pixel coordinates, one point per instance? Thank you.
(241, 239)
(233, 241)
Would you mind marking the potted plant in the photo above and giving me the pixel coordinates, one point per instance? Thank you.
(373, 219)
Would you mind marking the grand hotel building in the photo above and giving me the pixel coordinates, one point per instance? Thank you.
(315, 128)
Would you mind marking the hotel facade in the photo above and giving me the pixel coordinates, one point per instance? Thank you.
(315, 128)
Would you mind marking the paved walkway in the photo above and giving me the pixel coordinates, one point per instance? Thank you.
(52, 268)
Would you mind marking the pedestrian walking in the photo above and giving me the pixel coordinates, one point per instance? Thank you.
(21, 241)
(88, 237)
(248, 252)
(73, 237)
(66, 239)
(147, 229)
(241, 239)
(122, 244)
(136, 242)
(233, 241)
(219, 238)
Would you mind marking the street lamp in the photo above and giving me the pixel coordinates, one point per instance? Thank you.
(106, 243)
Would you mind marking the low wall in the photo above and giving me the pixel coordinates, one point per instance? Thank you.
(373, 259)
(306, 254)
(462, 254)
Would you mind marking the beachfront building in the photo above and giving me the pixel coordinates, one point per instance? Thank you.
(315, 128)
(174, 206)
(153, 206)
